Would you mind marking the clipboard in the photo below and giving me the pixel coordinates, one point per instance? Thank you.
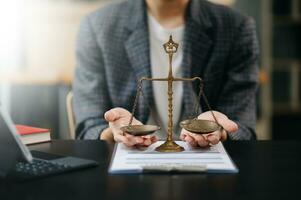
(127, 160)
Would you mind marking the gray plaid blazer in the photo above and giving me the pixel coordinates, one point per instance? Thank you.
(112, 53)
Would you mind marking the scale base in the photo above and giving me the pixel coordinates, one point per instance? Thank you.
(169, 147)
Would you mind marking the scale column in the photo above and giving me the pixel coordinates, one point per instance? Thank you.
(170, 109)
(170, 146)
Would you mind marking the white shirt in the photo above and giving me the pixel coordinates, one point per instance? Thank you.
(159, 68)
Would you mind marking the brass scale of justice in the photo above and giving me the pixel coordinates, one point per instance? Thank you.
(194, 125)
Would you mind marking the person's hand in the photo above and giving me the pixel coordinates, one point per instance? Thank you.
(119, 117)
(211, 138)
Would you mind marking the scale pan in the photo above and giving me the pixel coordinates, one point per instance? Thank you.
(199, 126)
(140, 130)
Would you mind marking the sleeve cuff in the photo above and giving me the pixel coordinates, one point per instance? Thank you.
(243, 133)
(90, 129)
(94, 132)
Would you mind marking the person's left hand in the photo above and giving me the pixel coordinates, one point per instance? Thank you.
(211, 138)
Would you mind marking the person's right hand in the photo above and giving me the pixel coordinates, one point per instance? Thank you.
(119, 117)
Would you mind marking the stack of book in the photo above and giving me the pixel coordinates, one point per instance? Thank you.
(33, 135)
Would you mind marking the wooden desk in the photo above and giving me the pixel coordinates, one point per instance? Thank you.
(268, 170)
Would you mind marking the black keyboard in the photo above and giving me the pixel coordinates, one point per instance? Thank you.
(41, 168)
(45, 164)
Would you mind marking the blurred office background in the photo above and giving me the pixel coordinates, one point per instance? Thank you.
(37, 39)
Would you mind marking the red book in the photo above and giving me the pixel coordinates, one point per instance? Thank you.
(33, 135)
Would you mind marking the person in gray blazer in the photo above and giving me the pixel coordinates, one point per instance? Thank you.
(116, 46)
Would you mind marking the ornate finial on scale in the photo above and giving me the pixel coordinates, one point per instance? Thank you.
(171, 47)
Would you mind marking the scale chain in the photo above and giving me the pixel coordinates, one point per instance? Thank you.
(150, 108)
(139, 90)
(209, 107)
(196, 107)
(197, 103)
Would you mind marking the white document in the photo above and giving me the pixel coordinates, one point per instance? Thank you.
(213, 159)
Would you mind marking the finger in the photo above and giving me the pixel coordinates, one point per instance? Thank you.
(190, 140)
(183, 136)
(135, 139)
(125, 139)
(147, 136)
(224, 135)
(228, 125)
(112, 115)
(142, 141)
(154, 139)
(187, 136)
(147, 142)
(122, 139)
(202, 142)
(149, 139)
(116, 113)
(200, 139)
(213, 138)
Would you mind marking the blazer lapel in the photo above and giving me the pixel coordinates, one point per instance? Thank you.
(197, 45)
(137, 49)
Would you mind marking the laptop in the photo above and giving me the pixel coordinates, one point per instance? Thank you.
(17, 162)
